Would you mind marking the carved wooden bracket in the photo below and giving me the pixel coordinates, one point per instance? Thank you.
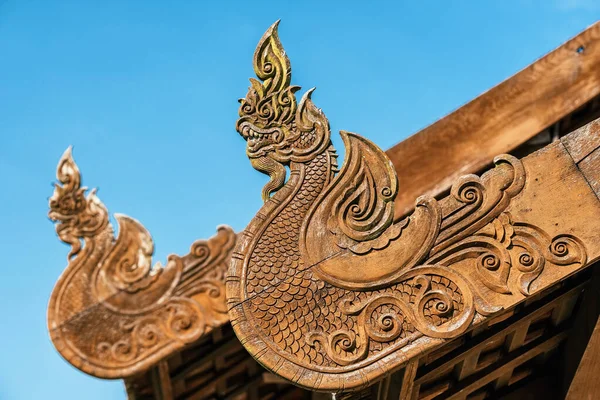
(113, 314)
(326, 290)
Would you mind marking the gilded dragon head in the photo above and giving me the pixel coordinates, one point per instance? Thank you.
(277, 129)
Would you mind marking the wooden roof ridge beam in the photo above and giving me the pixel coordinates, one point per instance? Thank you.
(326, 290)
(112, 314)
(498, 120)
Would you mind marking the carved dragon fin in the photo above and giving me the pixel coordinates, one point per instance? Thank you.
(352, 221)
(112, 314)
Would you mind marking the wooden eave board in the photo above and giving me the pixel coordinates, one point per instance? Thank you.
(499, 120)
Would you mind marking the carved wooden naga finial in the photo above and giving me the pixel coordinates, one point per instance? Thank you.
(325, 289)
(112, 314)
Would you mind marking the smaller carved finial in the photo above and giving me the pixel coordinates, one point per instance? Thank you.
(113, 313)
(76, 216)
(67, 199)
(67, 171)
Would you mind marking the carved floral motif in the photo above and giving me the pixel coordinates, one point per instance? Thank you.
(112, 313)
(323, 282)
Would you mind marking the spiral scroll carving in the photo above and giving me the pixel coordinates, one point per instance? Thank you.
(440, 305)
(504, 248)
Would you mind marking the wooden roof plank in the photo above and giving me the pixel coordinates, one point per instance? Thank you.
(499, 120)
(585, 384)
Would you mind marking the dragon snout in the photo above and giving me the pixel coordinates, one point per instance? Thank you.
(56, 216)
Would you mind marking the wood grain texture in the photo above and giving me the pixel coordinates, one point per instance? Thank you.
(408, 380)
(326, 290)
(162, 381)
(582, 142)
(498, 120)
(585, 321)
(584, 147)
(590, 168)
(586, 385)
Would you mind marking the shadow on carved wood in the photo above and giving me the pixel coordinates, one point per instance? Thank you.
(112, 313)
(325, 289)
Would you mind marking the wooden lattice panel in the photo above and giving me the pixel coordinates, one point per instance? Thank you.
(215, 367)
(493, 360)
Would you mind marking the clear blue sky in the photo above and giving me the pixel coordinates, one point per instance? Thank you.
(146, 92)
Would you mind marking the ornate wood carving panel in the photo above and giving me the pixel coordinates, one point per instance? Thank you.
(112, 313)
(327, 291)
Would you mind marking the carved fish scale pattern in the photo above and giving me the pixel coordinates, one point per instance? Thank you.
(281, 309)
(288, 303)
(276, 255)
(305, 140)
(287, 312)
